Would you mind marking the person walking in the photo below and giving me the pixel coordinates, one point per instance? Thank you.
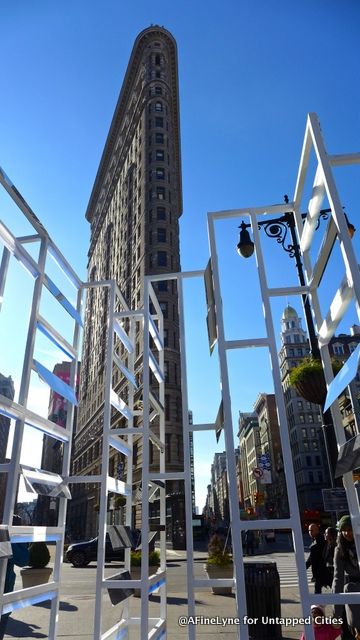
(347, 574)
(330, 536)
(249, 542)
(315, 559)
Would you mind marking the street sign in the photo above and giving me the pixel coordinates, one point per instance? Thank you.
(335, 500)
(266, 476)
(257, 473)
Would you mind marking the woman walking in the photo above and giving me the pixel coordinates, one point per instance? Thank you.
(347, 574)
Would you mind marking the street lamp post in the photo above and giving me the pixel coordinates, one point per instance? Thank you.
(278, 228)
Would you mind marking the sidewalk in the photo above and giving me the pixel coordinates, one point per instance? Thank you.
(77, 612)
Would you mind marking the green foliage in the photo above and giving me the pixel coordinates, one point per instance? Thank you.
(154, 559)
(218, 555)
(308, 366)
(39, 555)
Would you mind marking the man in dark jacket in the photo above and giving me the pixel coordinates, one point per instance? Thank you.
(315, 559)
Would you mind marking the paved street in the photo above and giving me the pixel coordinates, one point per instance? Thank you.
(77, 602)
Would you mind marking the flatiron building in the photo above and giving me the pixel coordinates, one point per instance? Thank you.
(133, 213)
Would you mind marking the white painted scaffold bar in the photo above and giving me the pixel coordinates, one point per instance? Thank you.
(15, 248)
(323, 186)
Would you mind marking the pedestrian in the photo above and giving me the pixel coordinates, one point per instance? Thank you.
(330, 536)
(323, 630)
(20, 557)
(315, 559)
(249, 542)
(347, 574)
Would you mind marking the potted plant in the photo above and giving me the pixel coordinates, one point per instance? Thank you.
(309, 380)
(37, 572)
(219, 563)
(135, 570)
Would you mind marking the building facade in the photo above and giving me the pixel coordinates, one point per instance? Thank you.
(52, 453)
(133, 211)
(341, 347)
(273, 486)
(304, 419)
(250, 450)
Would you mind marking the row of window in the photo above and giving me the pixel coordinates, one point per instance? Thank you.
(301, 403)
(160, 214)
(157, 58)
(293, 339)
(157, 106)
(164, 285)
(305, 477)
(160, 259)
(159, 193)
(310, 462)
(306, 445)
(159, 235)
(308, 418)
(299, 352)
(158, 122)
(164, 306)
(155, 91)
(303, 419)
(88, 457)
(158, 75)
(305, 432)
(158, 155)
(157, 138)
(159, 174)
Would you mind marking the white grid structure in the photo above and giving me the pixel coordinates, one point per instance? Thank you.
(323, 185)
(14, 247)
(122, 327)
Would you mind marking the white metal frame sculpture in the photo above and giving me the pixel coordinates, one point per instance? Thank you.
(122, 327)
(15, 247)
(122, 439)
(323, 184)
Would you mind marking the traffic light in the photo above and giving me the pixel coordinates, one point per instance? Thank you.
(259, 498)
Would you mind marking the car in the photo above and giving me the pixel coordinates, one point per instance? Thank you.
(80, 554)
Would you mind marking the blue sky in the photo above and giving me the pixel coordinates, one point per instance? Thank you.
(249, 73)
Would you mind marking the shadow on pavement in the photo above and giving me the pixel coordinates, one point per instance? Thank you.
(286, 600)
(19, 629)
(63, 606)
(174, 600)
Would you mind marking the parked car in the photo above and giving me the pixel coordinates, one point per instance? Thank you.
(80, 554)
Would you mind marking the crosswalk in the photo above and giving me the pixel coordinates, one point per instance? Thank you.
(286, 567)
(285, 563)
